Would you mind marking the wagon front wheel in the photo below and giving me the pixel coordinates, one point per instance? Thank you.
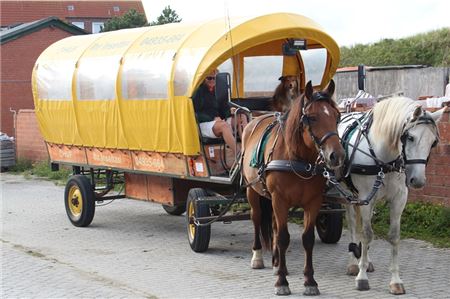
(329, 226)
(79, 200)
(198, 236)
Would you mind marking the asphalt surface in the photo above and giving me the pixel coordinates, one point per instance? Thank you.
(133, 249)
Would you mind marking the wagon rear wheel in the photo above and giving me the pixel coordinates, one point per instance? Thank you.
(198, 236)
(79, 200)
(176, 210)
(329, 226)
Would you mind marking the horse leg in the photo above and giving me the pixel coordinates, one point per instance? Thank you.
(362, 280)
(253, 198)
(282, 242)
(309, 220)
(275, 255)
(396, 208)
(353, 247)
(353, 217)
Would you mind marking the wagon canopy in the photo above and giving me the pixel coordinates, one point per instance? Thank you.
(131, 89)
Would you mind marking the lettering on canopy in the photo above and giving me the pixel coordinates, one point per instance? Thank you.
(163, 39)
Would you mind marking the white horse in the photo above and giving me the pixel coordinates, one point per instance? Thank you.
(387, 151)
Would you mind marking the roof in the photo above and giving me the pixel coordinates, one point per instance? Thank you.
(27, 28)
(378, 68)
(13, 12)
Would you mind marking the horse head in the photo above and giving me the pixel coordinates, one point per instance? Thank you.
(419, 137)
(317, 115)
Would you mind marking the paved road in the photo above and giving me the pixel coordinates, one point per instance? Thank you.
(134, 249)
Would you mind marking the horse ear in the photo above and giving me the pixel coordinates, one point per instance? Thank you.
(330, 88)
(309, 90)
(417, 112)
(438, 114)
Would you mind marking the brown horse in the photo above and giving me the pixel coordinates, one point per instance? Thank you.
(289, 173)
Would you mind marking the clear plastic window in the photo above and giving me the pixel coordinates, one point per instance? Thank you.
(315, 61)
(261, 75)
(96, 78)
(54, 81)
(185, 68)
(146, 76)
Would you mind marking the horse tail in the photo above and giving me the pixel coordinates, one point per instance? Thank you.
(266, 222)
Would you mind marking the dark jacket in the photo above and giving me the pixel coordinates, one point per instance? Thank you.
(207, 107)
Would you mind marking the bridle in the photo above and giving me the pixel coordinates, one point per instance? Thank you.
(404, 139)
(306, 121)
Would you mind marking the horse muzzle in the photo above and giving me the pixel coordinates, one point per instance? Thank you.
(412, 179)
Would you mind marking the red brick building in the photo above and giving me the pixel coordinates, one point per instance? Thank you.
(20, 47)
(89, 15)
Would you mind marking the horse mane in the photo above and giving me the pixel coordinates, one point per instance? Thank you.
(389, 119)
(293, 137)
(293, 134)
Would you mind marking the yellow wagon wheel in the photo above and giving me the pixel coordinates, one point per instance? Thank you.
(198, 236)
(79, 200)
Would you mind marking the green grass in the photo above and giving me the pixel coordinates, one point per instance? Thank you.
(41, 169)
(422, 221)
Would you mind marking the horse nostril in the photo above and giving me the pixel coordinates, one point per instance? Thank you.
(333, 158)
(412, 181)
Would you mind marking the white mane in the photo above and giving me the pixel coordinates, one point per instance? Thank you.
(389, 119)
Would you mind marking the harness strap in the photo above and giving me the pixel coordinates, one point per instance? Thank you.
(393, 166)
(302, 167)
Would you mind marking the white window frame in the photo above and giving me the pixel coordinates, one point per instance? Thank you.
(94, 26)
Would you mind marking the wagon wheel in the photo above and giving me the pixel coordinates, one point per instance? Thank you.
(198, 236)
(175, 210)
(79, 200)
(329, 226)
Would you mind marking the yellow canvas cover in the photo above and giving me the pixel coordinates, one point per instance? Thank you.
(132, 88)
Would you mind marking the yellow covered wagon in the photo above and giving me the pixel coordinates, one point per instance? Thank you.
(120, 102)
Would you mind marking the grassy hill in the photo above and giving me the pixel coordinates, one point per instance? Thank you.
(431, 48)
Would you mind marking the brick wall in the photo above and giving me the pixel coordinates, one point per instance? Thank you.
(29, 142)
(18, 58)
(13, 12)
(437, 189)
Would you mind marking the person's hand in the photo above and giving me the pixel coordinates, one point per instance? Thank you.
(233, 110)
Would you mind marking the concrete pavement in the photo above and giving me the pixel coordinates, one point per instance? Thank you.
(133, 249)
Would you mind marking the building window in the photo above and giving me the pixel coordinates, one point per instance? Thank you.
(70, 7)
(96, 27)
(79, 24)
(116, 8)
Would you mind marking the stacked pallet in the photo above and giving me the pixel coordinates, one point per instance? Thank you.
(7, 152)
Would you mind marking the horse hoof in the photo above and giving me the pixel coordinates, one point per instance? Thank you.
(397, 289)
(311, 291)
(282, 291)
(352, 270)
(370, 268)
(362, 285)
(257, 264)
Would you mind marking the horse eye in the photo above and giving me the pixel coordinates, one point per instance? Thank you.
(434, 143)
(410, 138)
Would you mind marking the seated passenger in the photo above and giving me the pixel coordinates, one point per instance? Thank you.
(215, 117)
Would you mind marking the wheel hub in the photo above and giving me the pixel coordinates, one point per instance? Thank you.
(75, 201)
